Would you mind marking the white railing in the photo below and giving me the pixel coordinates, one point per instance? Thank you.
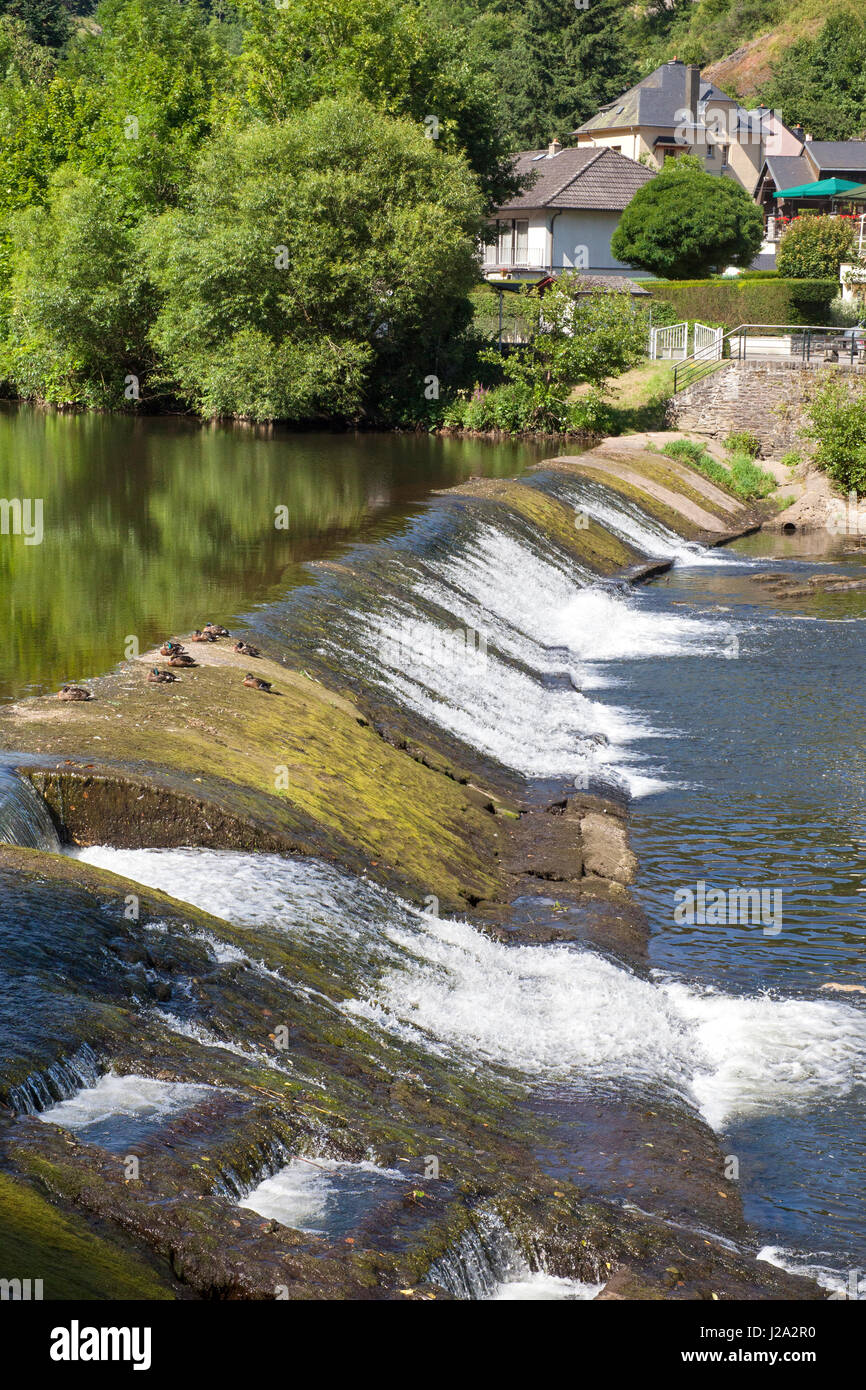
(671, 342)
(708, 343)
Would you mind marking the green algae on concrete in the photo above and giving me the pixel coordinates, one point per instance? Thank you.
(297, 769)
(39, 1242)
(590, 544)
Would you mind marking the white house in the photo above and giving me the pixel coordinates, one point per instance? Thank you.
(565, 219)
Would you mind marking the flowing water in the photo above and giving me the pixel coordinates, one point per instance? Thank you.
(731, 719)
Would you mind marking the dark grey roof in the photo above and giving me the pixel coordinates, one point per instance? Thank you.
(838, 154)
(788, 170)
(583, 177)
(654, 101)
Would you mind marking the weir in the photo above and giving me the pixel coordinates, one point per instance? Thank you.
(331, 1013)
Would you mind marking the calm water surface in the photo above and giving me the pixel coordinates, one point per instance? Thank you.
(152, 527)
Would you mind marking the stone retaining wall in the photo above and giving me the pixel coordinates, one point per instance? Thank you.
(768, 398)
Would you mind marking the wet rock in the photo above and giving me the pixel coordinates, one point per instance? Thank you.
(605, 848)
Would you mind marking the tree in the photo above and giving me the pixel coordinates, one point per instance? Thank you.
(80, 306)
(555, 63)
(822, 82)
(813, 248)
(838, 417)
(313, 260)
(403, 57)
(685, 223)
(46, 21)
(574, 337)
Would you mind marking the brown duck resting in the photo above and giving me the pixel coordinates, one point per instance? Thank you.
(256, 683)
(74, 692)
(170, 648)
(157, 677)
(203, 636)
(181, 659)
(244, 649)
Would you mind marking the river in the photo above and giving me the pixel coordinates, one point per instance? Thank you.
(731, 718)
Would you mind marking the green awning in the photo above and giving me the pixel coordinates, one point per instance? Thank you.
(824, 188)
(857, 194)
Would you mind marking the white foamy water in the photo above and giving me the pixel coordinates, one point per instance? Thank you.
(324, 1196)
(485, 703)
(556, 1014)
(114, 1096)
(529, 1287)
(853, 1287)
(498, 578)
(645, 533)
(519, 602)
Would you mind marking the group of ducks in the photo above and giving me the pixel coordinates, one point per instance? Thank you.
(177, 655)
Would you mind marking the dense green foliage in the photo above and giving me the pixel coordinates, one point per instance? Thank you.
(741, 475)
(573, 338)
(813, 248)
(314, 263)
(269, 209)
(685, 223)
(822, 82)
(838, 424)
(739, 299)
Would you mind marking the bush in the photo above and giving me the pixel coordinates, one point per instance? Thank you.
(743, 442)
(592, 414)
(845, 313)
(839, 425)
(814, 247)
(791, 459)
(687, 222)
(507, 408)
(747, 480)
(742, 477)
(742, 300)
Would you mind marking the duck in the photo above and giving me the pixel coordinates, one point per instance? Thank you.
(203, 635)
(157, 677)
(74, 692)
(256, 683)
(216, 630)
(181, 659)
(244, 649)
(170, 648)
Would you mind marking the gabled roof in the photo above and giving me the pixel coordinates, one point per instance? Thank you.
(786, 170)
(837, 154)
(582, 177)
(654, 101)
(816, 159)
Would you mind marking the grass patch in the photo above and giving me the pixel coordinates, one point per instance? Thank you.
(637, 400)
(742, 476)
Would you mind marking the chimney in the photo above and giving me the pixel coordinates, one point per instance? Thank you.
(693, 89)
(799, 132)
(553, 148)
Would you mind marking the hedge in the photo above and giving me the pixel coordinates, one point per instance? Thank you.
(738, 300)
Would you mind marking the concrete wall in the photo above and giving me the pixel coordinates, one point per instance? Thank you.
(768, 398)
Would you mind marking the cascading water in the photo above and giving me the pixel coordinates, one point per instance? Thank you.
(557, 1015)
(625, 519)
(42, 1090)
(24, 818)
(487, 1264)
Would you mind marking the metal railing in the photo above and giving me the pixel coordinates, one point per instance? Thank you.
(774, 342)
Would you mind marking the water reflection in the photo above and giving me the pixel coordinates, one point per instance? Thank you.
(154, 526)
